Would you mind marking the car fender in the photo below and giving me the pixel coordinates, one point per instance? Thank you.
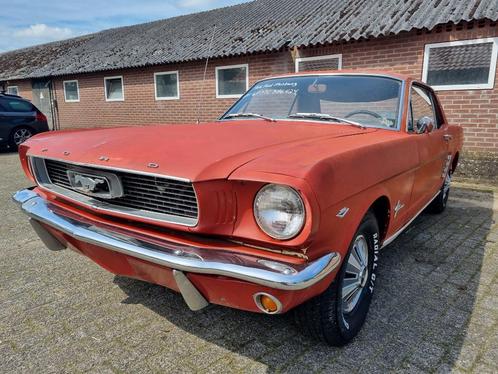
(340, 221)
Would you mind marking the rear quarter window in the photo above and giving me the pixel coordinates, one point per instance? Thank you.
(16, 106)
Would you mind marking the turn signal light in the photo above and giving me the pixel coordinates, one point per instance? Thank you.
(267, 303)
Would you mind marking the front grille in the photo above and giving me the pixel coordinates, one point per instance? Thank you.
(142, 192)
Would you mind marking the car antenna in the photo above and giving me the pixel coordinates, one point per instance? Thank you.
(201, 91)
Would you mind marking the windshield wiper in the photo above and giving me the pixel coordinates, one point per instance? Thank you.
(326, 117)
(235, 115)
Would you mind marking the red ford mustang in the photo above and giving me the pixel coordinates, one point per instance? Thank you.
(283, 203)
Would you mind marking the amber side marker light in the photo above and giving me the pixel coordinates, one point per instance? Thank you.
(267, 303)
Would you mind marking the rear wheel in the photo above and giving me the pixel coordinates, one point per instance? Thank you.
(336, 316)
(438, 205)
(20, 135)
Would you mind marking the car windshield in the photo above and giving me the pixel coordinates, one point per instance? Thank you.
(364, 100)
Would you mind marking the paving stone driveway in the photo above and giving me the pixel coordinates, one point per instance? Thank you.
(435, 308)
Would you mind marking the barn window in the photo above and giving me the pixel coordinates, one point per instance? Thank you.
(167, 85)
(71, 91)
(114, 90)
(13, 90)
(461, 65)
(317, 63)
(232, 81)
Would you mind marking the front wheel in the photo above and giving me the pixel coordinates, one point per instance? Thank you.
(337, 315)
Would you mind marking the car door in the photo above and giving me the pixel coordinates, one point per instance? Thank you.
(4, 126)
(431, 144)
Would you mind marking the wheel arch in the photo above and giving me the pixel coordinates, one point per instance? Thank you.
(381, 208)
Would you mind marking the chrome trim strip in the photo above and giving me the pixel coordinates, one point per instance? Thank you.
(21, 196)
(433, 94)
(97, 166)
(311, 74)
(106, 207)
(339, 72)
(173, 255)
(314, 121)
(401, 106)
(397, 233)
(257, 300)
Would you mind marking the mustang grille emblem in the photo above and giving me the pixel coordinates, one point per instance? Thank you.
(106, 185)
(87, 184)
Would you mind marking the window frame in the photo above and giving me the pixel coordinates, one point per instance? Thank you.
(17, 90)
(401, 100)
(471, 86)
(318, 58)
(122, 88)
(438, 119)
(160, 98)
(6, 108)
(77, 90)
(226, 67)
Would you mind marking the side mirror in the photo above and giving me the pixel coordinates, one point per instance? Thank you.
(425, 125)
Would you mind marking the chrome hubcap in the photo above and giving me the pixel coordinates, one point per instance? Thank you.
(21, 135)
(446, 186)
(356, 276)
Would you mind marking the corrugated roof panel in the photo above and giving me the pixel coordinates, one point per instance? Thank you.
(471, 56)
(257, 26)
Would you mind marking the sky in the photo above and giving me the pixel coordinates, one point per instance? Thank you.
(24, 23)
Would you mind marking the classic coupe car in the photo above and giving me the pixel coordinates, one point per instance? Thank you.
(283, 203)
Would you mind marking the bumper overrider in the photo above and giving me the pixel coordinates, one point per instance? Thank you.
(201, 275)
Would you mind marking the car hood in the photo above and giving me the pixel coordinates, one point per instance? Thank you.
(194, 152)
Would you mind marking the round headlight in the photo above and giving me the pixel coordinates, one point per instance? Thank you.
(279, 211)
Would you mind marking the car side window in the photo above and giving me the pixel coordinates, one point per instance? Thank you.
(410, 118)
(421, 105)
(17, 106)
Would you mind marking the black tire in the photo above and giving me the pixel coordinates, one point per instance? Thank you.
(325, 316)
(438, 205)
(19, 135)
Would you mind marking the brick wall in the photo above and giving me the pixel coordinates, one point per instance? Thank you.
(24, 88)
(475, 110)
(140, 106)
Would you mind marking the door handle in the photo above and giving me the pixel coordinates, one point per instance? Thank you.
(447, 137)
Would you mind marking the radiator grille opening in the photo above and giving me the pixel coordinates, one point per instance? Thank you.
(143, 192)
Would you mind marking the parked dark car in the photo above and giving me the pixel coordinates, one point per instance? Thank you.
(19, 120)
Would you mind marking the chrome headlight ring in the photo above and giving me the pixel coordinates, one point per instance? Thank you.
(279, 211)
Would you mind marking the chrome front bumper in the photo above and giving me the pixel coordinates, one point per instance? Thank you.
(178, 257)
